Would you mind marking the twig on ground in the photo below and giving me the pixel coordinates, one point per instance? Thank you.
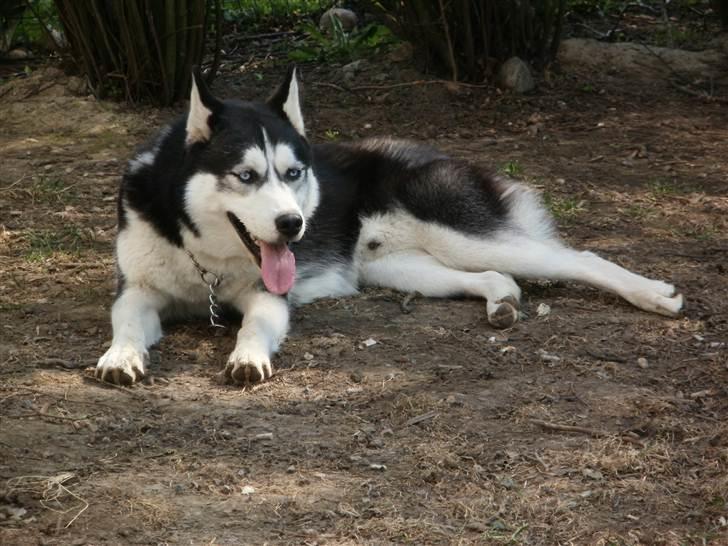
(584, 430)
(52, 362)
(37, 90)
(419, 82)
(18, 181)
(421, 418)
(700, 94)
(568, 428)
(122, 388)
(400, 84)
(50, 489)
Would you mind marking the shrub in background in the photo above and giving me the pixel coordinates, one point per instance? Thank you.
(469, 36)
(137, 49)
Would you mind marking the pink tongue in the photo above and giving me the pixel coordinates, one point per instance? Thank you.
(278, 265)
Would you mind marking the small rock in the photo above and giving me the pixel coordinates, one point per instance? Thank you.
(247, 490)
(592, 474)
(476, 527)
(548, 357)
(369, 342)
(515, 75)
(642, 363)
(346, 17)
(307, 356)
(507, 482)
(76, 86)
(18, 54)
(543, 310)
(498, 525)
(291, 469)
(377, 466)
(353, 67)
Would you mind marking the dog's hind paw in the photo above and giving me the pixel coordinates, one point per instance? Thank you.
(247, 367)
(657, 303)
(122, 365)
(504, 313)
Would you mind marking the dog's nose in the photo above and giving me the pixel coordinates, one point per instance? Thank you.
(289, 224)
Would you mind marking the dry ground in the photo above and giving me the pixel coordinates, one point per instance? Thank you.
(445, 431)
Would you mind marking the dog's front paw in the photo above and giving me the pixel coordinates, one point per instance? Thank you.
(247, 366)
(122, 365)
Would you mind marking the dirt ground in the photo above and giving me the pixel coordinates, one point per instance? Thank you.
(596, 423)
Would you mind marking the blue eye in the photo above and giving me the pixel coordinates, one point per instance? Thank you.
(293, 174)
(246, 176)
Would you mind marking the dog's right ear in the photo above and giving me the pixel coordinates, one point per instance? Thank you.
(202, 108)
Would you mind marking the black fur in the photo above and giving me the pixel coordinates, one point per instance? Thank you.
(357, 181)
(157, 191)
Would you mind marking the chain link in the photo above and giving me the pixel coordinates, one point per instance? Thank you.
(212, 281)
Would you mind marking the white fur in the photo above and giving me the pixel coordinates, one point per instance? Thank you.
(394, 250)
(198, 128)
(284, 159)
(254, 160)
(144, 159)
(527, 212)
(265, 325)
(292, 106)
(519, 254)
(417, 270)
(336, 281)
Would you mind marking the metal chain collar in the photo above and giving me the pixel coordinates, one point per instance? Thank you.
(212, 281)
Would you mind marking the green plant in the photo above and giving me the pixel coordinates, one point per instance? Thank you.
(43, 243)
(663, 188)
(50, 189)
(564, 209)
(512, 168)
(638, 212)
(340, 45)
(266, 12)
(332, 134)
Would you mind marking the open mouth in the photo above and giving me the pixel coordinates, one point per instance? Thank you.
(246, 237)
(276, 261)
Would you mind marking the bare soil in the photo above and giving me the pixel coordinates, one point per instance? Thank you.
(594, 424)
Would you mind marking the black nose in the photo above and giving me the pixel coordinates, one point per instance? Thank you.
(289, 224)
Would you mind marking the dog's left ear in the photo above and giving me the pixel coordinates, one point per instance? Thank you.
(203, 107)
(286, 103)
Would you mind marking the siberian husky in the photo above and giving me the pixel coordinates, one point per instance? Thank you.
(231, 204)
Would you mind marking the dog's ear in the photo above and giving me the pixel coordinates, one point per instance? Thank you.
(285, 101)
(202, 108)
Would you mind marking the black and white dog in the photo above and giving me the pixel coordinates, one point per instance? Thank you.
(233, 195)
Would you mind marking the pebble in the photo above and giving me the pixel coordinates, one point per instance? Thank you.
(247, 490)
(642, 363)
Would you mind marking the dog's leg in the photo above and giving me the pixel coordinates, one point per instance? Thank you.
(136, 324)
(410, 271)
(530, 258)
(265, 325)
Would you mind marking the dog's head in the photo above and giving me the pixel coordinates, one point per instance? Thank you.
(254, 180)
